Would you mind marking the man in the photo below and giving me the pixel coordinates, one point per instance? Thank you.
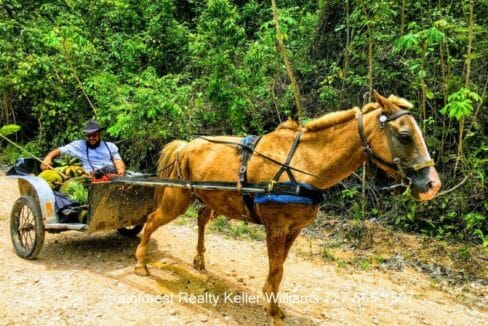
(98, 157)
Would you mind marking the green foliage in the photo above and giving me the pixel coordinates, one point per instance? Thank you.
(460, 103)
(77, 193)
(153, 71)
(464, 254)
(9, 154)
(9, 129)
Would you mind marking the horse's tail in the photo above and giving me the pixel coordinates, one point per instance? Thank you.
(168, 159)
(167, 163)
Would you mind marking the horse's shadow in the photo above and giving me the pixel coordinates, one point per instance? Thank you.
(112, 256)
(104, 251)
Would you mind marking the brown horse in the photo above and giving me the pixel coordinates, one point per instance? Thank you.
(331, 148)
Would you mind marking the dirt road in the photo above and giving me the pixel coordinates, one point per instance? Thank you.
(89, 280)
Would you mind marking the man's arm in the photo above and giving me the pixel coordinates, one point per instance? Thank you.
(47, 163)
(120, 167)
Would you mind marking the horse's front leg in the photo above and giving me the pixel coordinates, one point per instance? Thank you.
(154, 220)
(204, 215)
(173, 203)
(275, 239)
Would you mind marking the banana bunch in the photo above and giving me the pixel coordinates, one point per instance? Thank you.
(67, 160)
(69, 167)
(71, 171)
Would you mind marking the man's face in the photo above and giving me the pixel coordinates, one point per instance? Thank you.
(93, 139)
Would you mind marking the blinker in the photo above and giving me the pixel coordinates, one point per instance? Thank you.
(383, 118)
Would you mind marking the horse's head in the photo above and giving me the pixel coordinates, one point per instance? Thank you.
(400, 150)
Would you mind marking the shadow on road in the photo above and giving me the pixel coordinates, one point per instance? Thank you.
(112, 256)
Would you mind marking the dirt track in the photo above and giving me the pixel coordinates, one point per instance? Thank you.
(88, 279)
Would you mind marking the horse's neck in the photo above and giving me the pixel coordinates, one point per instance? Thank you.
(335, 152)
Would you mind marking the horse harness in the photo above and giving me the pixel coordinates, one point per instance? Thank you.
(397, 163)
(294, 188)
(250, 143)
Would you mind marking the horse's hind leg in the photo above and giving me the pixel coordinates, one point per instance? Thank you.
(204, 215)
(174, 203)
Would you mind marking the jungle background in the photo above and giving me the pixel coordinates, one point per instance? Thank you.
(154, 71)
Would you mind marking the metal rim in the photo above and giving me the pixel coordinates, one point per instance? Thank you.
(26, 228)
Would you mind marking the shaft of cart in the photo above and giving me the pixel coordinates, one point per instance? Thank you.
(191, 185)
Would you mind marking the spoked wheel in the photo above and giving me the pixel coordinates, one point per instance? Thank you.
(27, 227)
(130, 231)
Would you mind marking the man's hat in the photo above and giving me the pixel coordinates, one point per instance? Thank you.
(91, 127)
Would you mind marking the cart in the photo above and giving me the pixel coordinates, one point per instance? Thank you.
(111, 206)
(121, 203)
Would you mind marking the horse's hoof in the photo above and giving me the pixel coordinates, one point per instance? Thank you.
(277, 315)
(141, 270)
(276, 321)
(199, 263)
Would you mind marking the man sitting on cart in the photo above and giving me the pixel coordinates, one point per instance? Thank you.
(98, 157)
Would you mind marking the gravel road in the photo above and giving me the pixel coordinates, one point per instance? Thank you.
(89, 280)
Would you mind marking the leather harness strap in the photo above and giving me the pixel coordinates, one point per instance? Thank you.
(286, 165)
(266, 157)
(367, 149)
(247, 197)
(248, 146)
(247, 152)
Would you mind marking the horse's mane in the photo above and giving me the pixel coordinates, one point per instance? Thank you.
(288, 125)
(338, 117)
(332, 119)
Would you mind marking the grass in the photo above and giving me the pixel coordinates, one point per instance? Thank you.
(327, 254)
(237, 229)
(189, 218)
(222, 225)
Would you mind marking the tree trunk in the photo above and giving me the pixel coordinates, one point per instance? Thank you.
(460, 151)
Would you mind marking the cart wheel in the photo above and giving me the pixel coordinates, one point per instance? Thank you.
(130, 231)
(27, 227)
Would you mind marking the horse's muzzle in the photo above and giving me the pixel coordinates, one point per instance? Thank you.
(426, 183)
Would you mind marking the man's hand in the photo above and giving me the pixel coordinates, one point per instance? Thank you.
(120, 167)
(46, 164)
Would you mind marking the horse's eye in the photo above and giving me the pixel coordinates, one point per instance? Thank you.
(404, 138)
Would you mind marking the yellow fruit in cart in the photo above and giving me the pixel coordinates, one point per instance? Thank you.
(52, 177)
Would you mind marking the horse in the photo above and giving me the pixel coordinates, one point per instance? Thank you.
(325, 151)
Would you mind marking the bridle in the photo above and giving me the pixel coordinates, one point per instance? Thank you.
(396, 165)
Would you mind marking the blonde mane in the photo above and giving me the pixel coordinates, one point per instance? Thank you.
(288, 125)
(338, 117)
(400, 102)
(332, 119)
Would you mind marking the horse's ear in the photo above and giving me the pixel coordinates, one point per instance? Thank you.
(383, 102)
